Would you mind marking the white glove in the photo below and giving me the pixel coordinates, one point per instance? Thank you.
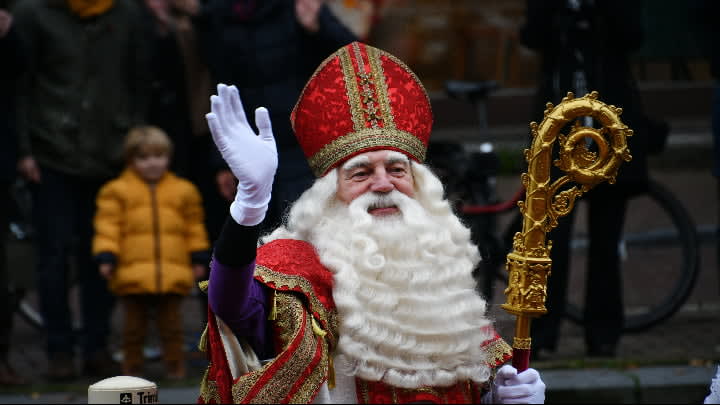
(509, 387)
(252, 159)
(714, 397)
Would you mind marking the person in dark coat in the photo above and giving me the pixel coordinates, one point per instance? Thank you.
(10, 69)
(585, 45)
(84, 87)
(180, 84)
(269, 49)
(168, 106)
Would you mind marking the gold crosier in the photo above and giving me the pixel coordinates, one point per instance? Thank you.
(529, 263)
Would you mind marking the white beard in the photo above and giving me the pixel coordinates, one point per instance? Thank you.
(409, 313)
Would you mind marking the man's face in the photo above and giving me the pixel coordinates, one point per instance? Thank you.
(379, 171)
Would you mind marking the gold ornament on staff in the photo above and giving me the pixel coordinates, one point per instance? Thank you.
(529, 263)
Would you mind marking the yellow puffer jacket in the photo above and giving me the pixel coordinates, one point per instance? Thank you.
(152, 232)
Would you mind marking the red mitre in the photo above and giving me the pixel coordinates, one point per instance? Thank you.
(361, 99)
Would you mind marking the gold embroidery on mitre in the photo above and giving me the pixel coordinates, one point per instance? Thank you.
(368, 107)
(351, 88)
(350, 143)
(367, 82)
(381, 90)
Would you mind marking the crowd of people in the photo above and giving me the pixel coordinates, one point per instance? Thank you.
(104, 117)
(84, 79)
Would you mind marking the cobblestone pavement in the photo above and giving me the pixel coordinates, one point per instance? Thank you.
(691, 337)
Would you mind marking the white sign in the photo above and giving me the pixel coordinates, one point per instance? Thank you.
(123, 390)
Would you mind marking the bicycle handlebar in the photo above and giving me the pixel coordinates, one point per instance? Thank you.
(494, 208)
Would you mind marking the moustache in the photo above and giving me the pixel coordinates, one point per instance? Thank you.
(382, 201)
(374, 200)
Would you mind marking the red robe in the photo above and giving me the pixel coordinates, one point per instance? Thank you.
(305, 332)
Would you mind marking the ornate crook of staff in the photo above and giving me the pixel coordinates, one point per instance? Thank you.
(529, 263)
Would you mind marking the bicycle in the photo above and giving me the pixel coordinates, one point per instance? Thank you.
(669, 238)
(662, 231)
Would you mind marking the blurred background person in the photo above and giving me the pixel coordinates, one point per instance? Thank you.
(585, 45)
(179, 99)
(82, 90)
(169, 106)
(10, 69)
(269, 49)
(151, 245)
(180, 84)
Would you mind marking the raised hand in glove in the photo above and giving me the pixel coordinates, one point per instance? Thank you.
(252, 158)
(509, 387)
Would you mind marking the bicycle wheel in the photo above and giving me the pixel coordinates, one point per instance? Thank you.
(657, 230)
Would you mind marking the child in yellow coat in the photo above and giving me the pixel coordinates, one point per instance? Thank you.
(151, 245)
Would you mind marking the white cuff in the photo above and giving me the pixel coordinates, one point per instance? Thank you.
(248, 216)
